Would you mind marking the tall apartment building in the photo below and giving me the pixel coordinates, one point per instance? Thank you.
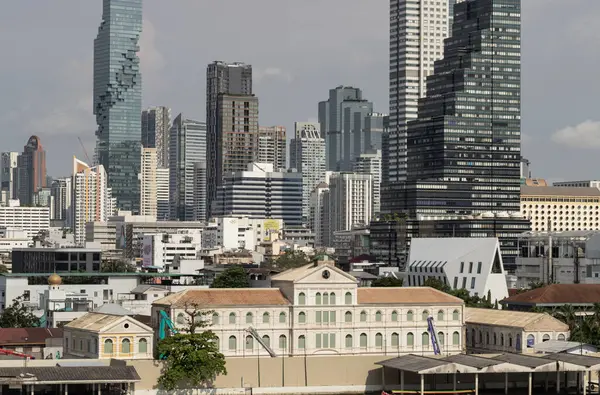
(62, 194)
(156, 123)
(350, 201)
(307, 155)
(8, 174)
(31, 220)
(92, 198)
(417, 32)
(261, 192)
(371, 137)
(187, 149)
(148, 191)
(162, 194)
(272, 146)
(31, 170)
(319, 214)
(370, 163)
(118, 98)
(229, 79)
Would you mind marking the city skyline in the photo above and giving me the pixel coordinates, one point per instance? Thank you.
(361, 63)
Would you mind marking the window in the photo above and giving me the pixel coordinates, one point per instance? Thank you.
(363, 316)
(480, 337)
(395, 339)
(249, 318)
(545, 338)
(455, 282)
(283, 342)
(348, 298)
(331, 340)
(143, 346)
(464, 283)
(495, 339)
(215, 318)
(363, 340)
(348, 341)
(502, 339)
(378, 316)
(249, 343)
(108, 346)
(561, 337)
(318, 340)
(318, 298)
(301, 342)
(425, 339)
(409, 315)
(282, 318)
(27, 295)
(218, 342)
(348, 317)
(410, 339)
(318, 317)
(232, 318)
(325, 298)
(302, 317)
(266, 318)
(510, 341)
(462, 267)
(267, 340)
(455, 339)
(126, 346)
(180, 319)
(378, 340)
(232, 343)
(455, 315)
(332, 298)
(301, 298)
(478, 267)
(425, 315)
(470, 267)
(440, 315)
(530, 340)
(441, 339)
(487, 338)
(472, 282)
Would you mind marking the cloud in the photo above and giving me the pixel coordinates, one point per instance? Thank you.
(271, 72)
(151, 59)
(585, 135)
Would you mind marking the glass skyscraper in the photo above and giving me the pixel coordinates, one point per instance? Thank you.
(118, 98)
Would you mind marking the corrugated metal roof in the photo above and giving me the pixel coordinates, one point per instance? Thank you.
(582, 360)
(85, 374)
(523, 360)
(413, 363)
(556, 346)
(472, 361)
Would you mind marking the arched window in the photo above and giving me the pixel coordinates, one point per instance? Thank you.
(232, 343)
(440, 315)
(441, 340)
(455, 339)
(487, 337)
(318, 298)
(282, 318)
(425, 339)
(348, 316)
(378, 340)
(472, 337)
(266, 318)
(302, 317)
(348, 298)
(249, 343)
(455, 315)
(198, 319)
(301, 298)
(530, 340)
(108, 346)
(348, 341)
(332, 298)
(218, 342)
(480, 337)
(510, 341)
(502, 339)
(410, 339)
(363, 340)
(283, 342)
(249, 318)
(232, 318)
(394, 316)
(125, 346)
(378, 316)
(215, 318)
(143, 346)
(561, 337)
(395, 339)
(409, 315)
(363, 316)
(425, 315)
(325, 298)
(301, 342)
(267, 340)
(495, 339)
(180, 319)
(545, 338)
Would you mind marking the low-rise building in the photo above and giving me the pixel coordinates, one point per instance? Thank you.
(581, 297)
(232, 233)
(39, 343)
(30, 219)
(49, 260)
(159, 250)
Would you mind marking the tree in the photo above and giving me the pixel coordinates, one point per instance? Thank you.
(117, 266)
(470, 301)
(233, 277)
(291, 260)
(387, 282)
(18, 315)
(3, 268)
(192, 360)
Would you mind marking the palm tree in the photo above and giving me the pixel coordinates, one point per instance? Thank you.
(568, 315)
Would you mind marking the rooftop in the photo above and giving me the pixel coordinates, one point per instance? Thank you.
(98, 274)
(405, 295)
(437, 252)
(558, 191)
(515, 319)
(68, 374)
(224, 297)
(557, 294)
(18, 336)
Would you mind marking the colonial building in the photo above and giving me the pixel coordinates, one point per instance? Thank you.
(318, 309)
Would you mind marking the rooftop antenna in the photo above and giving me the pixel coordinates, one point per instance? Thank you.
(84, 150)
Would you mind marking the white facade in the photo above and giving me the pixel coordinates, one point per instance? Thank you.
(30, 219)
(13, 238)
(62, 194)
(370, 163)
(159, 250)
(474, 264)
(578, 184)
(272, 146)
(8, 168)
(232, 233)
(319, 214)
(307, 155)
(148, 181)
(350, 201)
(162, 194)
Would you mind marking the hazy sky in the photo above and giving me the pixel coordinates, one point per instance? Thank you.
(299, 49)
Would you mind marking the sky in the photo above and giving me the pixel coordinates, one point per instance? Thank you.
(298, 50)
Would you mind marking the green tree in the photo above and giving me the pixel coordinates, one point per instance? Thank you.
(117, 266)
(437, 284)
(17, 315)
(192, 360)
(233, 277)
(291, 260)
(387, 282)
(3, 268)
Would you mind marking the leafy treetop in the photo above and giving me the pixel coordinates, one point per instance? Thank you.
(387, 282)
(233, 277)
(17, 315)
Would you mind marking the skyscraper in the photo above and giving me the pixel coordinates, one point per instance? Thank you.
(272, 147)
(187, 150)
(229, 79)
(148, 192)
(307, 155)
(31, 170)
(370, 163)
(156, 122)
(62, 194)
(162, 194)
(118, 98)
(417, 32)
(8, 173)
(350, 201)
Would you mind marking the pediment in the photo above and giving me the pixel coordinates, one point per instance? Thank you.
(126, 325)
(326, 274)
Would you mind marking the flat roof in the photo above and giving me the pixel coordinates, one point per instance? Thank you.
(527, 190)
(99, 274)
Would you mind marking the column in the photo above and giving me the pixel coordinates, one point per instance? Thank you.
(32, 391)
(99, 388)
(454, 381)
(383, 378)
(505, 383)
(546, 383)
(558, 380)
(586, 378)
(66, 389)
(402, 380)
(477, 384)
(422, 384)
(529, 384)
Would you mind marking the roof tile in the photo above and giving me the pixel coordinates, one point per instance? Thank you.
(558, 294)
(225, 297)
(404, 295)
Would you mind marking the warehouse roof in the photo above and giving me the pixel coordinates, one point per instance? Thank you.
(557, 294)
(515, 319)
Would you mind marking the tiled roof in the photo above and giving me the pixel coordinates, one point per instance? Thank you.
(93, 321)
(293, 274)
(224, 297)
(558, 294)
(82, 374)
(558, 191)
(28, 336)
(516, 319)
(405, 295)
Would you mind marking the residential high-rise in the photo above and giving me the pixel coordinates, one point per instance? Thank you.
(118, 98)
(307, 155)
(229, 79)
(372, 136)
(319, 214)
(156, 123)
(148, 192)
(162, 194)
(272, 141)
(62, 193)
(8, 173)
(261, 192)
(92, 198)
(31, 170)
(417, 32)
(370, 163)
(350, 201)
(187, 149)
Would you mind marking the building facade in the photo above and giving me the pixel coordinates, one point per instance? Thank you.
(30, 219)
(118, 98)
(31, 170)
(49, 260)
(160, 250)
(156, 124)
(350, 201)
(578, 184)
(62, 195)
(319, 215)
(8, 173)
(370, 163)
(148, 190)
(162, 194)
(272, 146)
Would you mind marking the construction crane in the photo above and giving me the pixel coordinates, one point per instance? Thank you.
(5, 351)
(84, 150)
(434, 339)
(165, 322)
